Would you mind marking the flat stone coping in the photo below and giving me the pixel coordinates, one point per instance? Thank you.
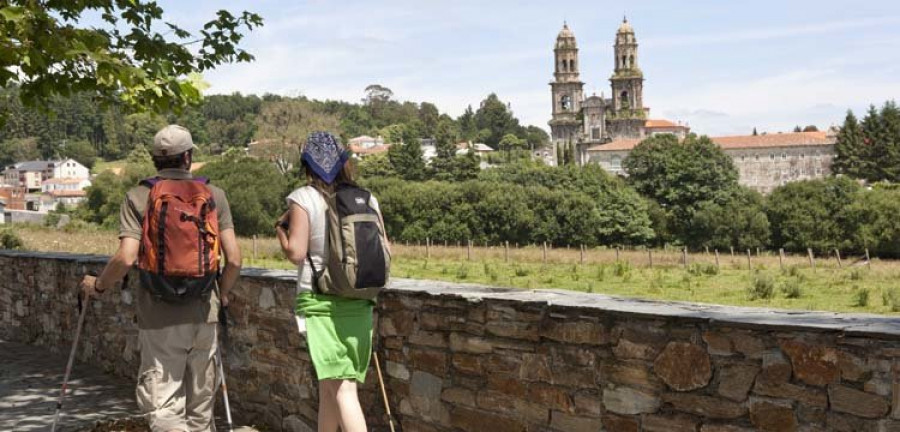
(851, 325)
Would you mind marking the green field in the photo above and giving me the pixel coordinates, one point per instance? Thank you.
(851, 287)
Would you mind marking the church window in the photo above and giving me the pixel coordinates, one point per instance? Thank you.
(595, 133)
(624, 99)
(565, 102)
(571, 65)
(631, 62)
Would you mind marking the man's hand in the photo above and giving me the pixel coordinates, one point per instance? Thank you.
(88, 286)
(224, 300)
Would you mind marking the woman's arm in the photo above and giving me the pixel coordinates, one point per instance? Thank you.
(294, 241)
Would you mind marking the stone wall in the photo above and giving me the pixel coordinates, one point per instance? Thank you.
(474, 358)
(764, 169)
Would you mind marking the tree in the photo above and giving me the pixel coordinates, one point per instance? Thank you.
(376, 165)
(797, 129)
(738, 221)
(429, 116)
(680, 176)
(81, 151)
(282, 127)
(494, 117)
(812, 214)
(467, 127)
(130, 56)
(536, 138)
(406, 157)
(377, 94)
(849, 152)
(18, 150)
(810, 128)
(255, 190)
(754, 132)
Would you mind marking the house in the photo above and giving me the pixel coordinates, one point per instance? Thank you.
(365, 145)
(480, 149)
(32, 174)
(65, 184)
(14, 196)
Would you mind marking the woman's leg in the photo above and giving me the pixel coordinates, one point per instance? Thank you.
(351, 414)
(329, 419)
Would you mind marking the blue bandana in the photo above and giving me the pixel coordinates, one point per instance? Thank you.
(325, 155)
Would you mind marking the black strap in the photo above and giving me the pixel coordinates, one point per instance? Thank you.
(161, 239)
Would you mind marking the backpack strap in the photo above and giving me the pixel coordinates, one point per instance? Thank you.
(149, 182)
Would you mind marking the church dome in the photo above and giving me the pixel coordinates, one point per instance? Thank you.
(566, 38)
(625, 27)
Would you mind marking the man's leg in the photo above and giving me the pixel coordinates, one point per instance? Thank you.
(200, 381)
(159, 391)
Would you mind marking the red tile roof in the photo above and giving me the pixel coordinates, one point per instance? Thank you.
(792, 139)
(67, 193)
(650, 124)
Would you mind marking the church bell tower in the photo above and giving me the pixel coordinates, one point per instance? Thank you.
(627, 82)
(566, 90)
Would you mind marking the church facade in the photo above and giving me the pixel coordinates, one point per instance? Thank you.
(580, 122)
(603, 130)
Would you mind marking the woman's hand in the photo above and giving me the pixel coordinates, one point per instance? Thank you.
(283, 222)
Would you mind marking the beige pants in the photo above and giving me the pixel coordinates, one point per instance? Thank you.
(177, 380)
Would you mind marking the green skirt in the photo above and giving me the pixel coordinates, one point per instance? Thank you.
(338, 334)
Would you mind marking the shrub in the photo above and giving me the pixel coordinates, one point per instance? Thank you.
(791, 289)
(462, 272)
(700, 269)
(856, 275)
(621, 268)
(861, 298)
(891, 298)
(763, 286)
(9, 239)
(522, 271)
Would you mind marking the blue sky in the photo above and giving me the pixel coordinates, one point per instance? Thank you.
(722, 66)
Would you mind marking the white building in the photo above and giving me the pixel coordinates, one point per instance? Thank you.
(32, 174)
(2, 212)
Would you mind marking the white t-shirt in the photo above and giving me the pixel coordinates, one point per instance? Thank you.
(311, 200)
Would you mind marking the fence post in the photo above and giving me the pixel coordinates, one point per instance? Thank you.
(617, 254)
(544, 252)
(717, 258)
(707, 250)
(749, 264)
(469, 250)
(732, 251)
(506, 250)
(812, 262)
(868, 262)
(757, 251)
(427, 247)
(837, 253)
(781, 258)
(254, 247)
(684, 257)
(650, 256)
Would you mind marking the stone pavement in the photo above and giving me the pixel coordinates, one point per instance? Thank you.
(30, 381)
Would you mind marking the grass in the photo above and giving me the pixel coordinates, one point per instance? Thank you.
(852, 288)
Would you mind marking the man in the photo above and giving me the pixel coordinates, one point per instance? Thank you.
(177, 379)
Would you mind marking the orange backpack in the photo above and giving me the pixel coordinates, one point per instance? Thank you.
(179, 255)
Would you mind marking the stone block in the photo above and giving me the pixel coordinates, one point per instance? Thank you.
(513, 330)
(772, 415)
(683, 366)
(705, 406)
(776, 367)
(814, 364)
(859, 403)
(575, 332)
(669, 423)
(736, 380)
(587, 404)
(632, 373)
(459, 396)
(429, 339)
(626, 400)
(475, 420)
(837, 422)
(568, 422)
(614, 423)
(806, 395)
(718, 343)
(535, 367)
(469, 344)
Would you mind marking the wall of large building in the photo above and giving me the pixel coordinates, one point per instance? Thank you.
(476, 358)
(764, 169)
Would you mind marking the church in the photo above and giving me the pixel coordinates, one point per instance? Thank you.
(603, 130)
(585, 122)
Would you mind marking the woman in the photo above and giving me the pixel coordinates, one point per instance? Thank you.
(338, 329)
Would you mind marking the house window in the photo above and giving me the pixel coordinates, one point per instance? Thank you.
(742, 158)
(784, 156)
(615, 163)
(757, 158)
(772, 156)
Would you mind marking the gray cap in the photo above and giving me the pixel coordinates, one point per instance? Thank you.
(172, 140)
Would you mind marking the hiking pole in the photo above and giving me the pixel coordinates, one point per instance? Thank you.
(387, 406)
(82, 310)
(223, 319)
